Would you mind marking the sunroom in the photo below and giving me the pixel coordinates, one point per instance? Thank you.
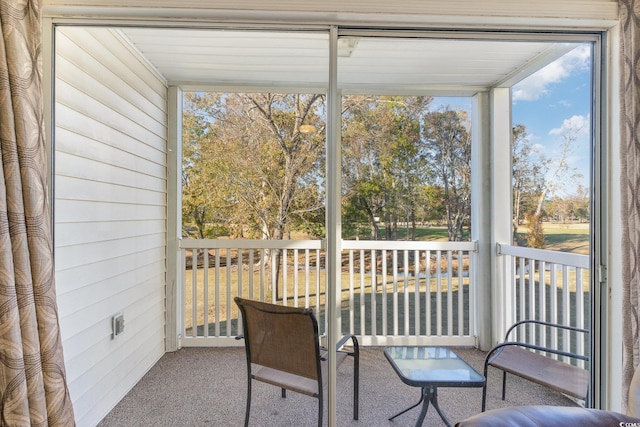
(118, 76)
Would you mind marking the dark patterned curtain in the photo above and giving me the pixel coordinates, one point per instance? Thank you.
(630, 184)
(33, 389)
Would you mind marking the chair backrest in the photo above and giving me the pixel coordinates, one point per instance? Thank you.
(282, 338)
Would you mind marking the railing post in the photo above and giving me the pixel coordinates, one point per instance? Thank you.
(501, 208)
(481, 223)
(333, 222)
(174, 324)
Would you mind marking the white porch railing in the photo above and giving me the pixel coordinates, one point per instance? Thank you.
(393, 292)
(549, 286)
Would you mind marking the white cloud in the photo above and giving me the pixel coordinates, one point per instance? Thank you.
(538, 148)
(536, 85)
(579, 125)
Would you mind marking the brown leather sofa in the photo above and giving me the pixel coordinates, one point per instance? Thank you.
(547, 416)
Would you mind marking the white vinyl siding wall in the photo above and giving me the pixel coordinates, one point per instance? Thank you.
(110, 214)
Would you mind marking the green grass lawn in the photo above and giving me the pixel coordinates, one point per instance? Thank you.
(423, 232)
(572, 237)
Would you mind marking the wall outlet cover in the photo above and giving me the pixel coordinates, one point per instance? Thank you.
(118, 324)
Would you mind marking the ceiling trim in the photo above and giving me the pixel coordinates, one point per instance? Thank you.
(554, 52)
(127, 43)
(577, 9)
(424, 90)
(515, 14)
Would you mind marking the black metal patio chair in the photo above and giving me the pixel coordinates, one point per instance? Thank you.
(282, 348)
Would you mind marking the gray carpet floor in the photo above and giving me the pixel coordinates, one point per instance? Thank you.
(207, 387)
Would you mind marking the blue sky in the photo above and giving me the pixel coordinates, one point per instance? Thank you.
(553, 102)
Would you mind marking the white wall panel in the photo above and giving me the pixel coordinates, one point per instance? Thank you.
(126, 296)
(110, 66)
(68, 165)
(105, 192)
(112, 112)
(100, 133)
(119, 369)
(95, 293)
(110, 214)
(77, 233)
(94, 253)
(78, 276)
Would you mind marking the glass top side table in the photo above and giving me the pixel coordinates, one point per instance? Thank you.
(430, 368)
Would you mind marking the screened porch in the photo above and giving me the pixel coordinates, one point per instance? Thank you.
(387, 292)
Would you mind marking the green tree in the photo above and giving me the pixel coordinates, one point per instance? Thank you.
(200, 206)
(558, 171)
(362, 188)
(295, 169)
(383, 162)
(257, 171)
(448, 141)
(536, 176)
(258, 168)
(408, 162)
(527, 177)
(535, 235)
(571, 207)
(432, 204)
(581, 204)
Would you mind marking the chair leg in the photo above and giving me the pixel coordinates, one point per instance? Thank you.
(484, 386)
(246, 417)
(320, 410)
(356, 385)
(484, 396)
(284, 393)
(504, 383)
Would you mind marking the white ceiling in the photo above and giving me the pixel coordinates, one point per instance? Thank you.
(379, 65)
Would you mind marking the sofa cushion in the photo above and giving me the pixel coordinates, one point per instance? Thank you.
(633, 402)
(546, 416)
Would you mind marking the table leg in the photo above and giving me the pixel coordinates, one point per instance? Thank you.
(410, 407)
(433, 398)
(429, 395)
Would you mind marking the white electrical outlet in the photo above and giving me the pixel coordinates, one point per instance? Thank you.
(117, 324)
